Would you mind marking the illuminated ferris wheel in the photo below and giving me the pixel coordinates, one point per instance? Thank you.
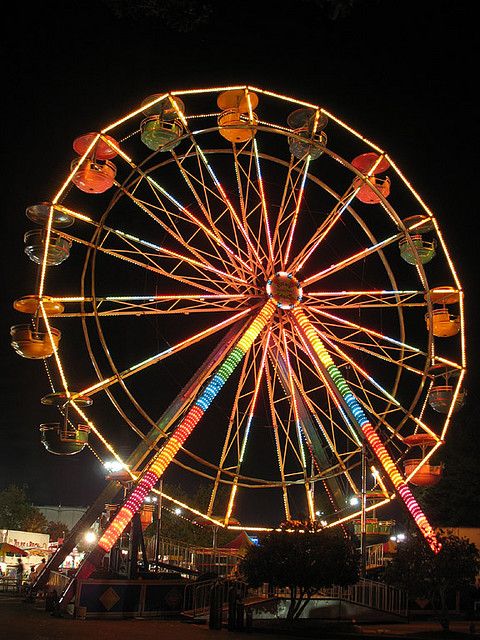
(261, 295)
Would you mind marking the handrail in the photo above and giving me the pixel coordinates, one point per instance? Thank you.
(376, 595)
(198, 595)
(188, 556)
(368, 593)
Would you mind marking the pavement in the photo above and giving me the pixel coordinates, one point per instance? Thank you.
(25, 621)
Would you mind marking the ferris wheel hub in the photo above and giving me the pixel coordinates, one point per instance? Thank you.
(285, 290)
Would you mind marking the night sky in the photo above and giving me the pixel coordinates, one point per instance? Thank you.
(402, 73)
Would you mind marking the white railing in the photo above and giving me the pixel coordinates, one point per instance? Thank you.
(198, 595)
(375, 556)
(180, 554)
(369, 593)
(221, 562)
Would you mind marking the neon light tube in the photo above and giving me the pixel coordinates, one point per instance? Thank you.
(163, 458)
(356, 411)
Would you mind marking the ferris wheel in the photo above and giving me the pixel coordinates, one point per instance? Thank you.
(261, 295)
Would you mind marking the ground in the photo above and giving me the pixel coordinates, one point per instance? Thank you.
(24, 621)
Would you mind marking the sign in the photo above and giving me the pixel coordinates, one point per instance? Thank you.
(25, 539)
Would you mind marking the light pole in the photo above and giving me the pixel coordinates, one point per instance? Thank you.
(363, 521)
(158, 524)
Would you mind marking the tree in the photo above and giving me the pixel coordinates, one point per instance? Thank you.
(16, 511)
(57, 530)
(303, 562)
(426, 575)
(35, 521)
(181, 16)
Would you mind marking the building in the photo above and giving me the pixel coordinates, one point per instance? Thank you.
(69, 516)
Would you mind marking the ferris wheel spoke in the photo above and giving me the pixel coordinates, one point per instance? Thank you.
(386, 357)
(269, 383)
(203, 203)
(394, 440)
(249, 413)
(288, 195)
(212, 200)
(310, 424)
(150, 262)
(361, 373)
(293, 217)
(322, 460)
(383, 299)
(264, 208)
(166, 353)
(246, 187)
(239, 226)
(153, 304)
(184, 239)
(232, 437)
(238, 430)
(323, 230)
(334, 426)
(306, 369)
(235, 218)
(161, 190)
(331, 220)
(157, 466)
(252, 203)
(352, 259)
(361, 422)
(376, 337)
(290, 428)
(362, 376)
(198, 265)
(299, 429)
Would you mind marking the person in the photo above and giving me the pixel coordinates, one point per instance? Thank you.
(32, 576)
(19, 569)
(41, 566)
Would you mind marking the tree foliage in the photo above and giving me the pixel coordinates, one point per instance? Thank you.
(35, 521)
(17, 512)
(302, 562)
(186, 16)
(426, 575)
(57, 530)
(182, 16)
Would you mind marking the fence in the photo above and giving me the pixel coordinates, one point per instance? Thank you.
(376, 595)
(221, 562)
(367, 593)
(57, 581)
(198, 596)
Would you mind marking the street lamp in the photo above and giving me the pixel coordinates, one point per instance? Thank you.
(90, 537)
(113, 466)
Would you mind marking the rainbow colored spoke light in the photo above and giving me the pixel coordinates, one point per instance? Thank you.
(360, 419)
(164, 457)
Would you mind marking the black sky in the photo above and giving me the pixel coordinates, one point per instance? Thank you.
(403, 73)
